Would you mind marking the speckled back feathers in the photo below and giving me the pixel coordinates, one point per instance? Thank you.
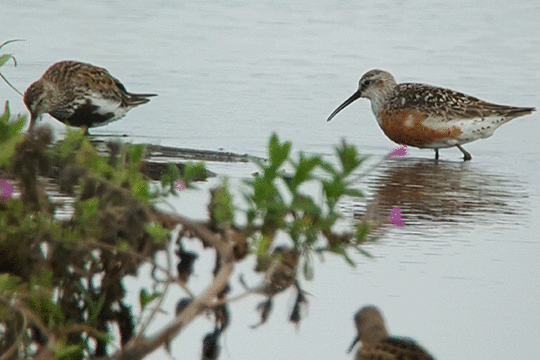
(394, 348)
(447, 104)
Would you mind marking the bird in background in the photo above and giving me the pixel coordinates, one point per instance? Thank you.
(377, 344)
(80, 94)
(426, 116)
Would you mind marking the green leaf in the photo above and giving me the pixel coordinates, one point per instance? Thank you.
(136, 154)
(62, 351)
(306, 204)
(303, 171)
(262, 190)
(141, 189)
(94, 309)
(353, 193)
(173, 172)
(42, 279)
(193, 171)
(264, 244)
(349, 158)
(71, 143)
(221, 206)
(10, 135)
(362, 230)
(278, 152)
(348, 259)
(157, 232)
(8, 282)
(123, 245)
(308, 270)
(146, 298)
(4, 58)
(364, 252)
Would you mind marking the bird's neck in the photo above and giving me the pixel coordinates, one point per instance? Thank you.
(376, 334)
(381, 97)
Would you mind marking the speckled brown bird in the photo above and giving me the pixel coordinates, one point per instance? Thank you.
(426, 116)
(80, 94)
(378, 345)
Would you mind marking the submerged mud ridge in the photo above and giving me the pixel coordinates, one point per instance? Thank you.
(157, 151)
(158, 157)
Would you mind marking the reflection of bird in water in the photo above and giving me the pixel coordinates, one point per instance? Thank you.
(433, 193)
(426, 116)
(80, 94)
(378, 345)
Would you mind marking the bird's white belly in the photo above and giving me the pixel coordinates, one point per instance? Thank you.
(480, 128)
(107, 106)
(471, 130)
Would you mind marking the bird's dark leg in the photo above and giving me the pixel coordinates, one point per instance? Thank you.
(436, 154)
(466, 155)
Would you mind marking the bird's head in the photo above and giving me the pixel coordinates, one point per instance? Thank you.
(370, 324)
(374, 85)
(37, 101)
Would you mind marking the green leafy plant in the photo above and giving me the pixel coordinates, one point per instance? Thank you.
(10, 134)
(61, 283)
(277, 203)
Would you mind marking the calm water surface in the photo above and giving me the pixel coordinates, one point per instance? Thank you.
(462, 277)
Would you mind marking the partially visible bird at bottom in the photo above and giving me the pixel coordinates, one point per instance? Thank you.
(80, 94)
(378, 345)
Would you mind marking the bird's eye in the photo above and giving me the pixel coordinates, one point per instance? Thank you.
(367, 82)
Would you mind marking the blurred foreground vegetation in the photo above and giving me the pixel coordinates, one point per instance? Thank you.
(62, 294)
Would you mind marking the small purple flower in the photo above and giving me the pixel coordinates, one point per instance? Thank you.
(179, 185)
(395, 217)
(6, 190)
(399, 152)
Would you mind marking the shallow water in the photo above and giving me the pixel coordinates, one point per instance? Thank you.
(462, 276)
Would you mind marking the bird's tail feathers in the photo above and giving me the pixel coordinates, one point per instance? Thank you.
(138, 99)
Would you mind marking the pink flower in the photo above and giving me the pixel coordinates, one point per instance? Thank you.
(179, 185)
(6, 190)
(399, 152)
(395, 217)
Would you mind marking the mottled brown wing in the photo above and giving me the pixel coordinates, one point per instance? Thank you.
(74, 77)
(374, 354)
(449, 104)
(100, 80)
(394, 348)
(110, 87)
(405, 349)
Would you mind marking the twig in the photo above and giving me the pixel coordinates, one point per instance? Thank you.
(14, 63)
(14, 347)
(160, 301)
(10, 41)
(224, 246)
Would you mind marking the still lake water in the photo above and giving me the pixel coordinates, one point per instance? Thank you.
(463, 275)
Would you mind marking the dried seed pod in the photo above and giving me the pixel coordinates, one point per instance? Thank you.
(211, 348)
(264, 308)
(299, 305)
(185, 265)
(182, 304)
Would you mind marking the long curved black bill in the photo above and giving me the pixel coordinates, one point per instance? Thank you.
(353, 97)
(356, 339)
